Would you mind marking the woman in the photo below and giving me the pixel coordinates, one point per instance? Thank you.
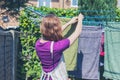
(50, 47)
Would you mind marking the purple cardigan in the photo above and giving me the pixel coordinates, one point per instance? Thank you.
(43, 52)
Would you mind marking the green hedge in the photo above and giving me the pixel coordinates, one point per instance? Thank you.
(117, 15)
(58, 11)
(30, 67)
(99, 13)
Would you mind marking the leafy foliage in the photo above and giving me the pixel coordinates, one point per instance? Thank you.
(71, 12)
(30, 28)
(118, 15)
(12, 5)
(100, 10)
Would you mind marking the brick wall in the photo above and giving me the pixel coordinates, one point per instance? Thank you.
(54, 3)
(32, 2)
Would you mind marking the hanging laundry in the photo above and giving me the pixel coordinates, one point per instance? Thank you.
(101, 63)
(112, 53)
(102, 50)
(102, 45)
(88, 53)
(71, 53)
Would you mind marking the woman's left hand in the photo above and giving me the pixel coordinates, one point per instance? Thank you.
(73, 20)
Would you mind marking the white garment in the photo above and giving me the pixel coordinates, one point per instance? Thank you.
(59, 73)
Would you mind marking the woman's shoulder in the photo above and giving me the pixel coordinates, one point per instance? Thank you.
(62, 44)
(63, 40)
(41, 42)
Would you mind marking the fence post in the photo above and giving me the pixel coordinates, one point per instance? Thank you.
(13, 55)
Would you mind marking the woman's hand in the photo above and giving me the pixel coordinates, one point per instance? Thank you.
(73, 20)
(80, 17)
(78, 29)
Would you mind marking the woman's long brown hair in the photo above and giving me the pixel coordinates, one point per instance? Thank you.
(51, 28)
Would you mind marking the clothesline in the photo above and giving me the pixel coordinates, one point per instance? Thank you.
(85, 21)
(95, 10)
(92, 23)
(100, 23)
(87, 17)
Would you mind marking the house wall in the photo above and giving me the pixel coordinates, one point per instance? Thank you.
(67, 3)
(32, 2)
(55, 4)
(60, 3)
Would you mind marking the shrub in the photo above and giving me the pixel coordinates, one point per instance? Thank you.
(100, 10)
(29, 26)
(71, 12)
(118, 15)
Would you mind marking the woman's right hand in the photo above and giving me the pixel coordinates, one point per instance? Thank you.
(80, 17)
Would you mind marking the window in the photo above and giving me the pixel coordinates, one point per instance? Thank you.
(74, 3)
(46, 3)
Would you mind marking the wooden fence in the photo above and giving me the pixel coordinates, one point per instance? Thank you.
(9, 41)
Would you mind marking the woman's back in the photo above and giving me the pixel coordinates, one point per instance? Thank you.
(43, 51)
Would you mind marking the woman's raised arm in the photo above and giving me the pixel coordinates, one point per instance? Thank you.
(77, 31)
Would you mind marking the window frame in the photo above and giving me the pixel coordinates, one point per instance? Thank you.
(43, 3)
